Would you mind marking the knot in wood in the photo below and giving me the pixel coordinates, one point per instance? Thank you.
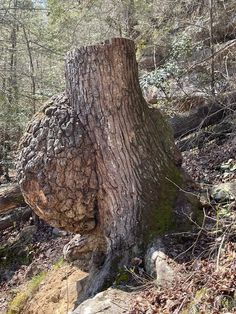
(55, 168)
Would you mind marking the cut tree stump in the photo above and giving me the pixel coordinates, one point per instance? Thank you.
(98, 161)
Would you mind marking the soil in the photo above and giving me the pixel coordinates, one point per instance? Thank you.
(40, 253)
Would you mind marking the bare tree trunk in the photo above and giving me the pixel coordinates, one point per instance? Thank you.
(32, 70)
(129, 17)
(98, 161)
(211, 4)
(13, 86)
(127, 139)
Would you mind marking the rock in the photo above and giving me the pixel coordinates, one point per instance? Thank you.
(221, 196)
(58, 232)
(159, 265)
(17, 251)
(109, 301)
(78, 252)
(24, 237)
(27, 233)
(165, 274)
(224, 192)
(149, 260)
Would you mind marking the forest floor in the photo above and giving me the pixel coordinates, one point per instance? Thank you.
(39, 250)
(207, 257)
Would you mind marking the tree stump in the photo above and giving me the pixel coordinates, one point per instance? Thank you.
(98, 161)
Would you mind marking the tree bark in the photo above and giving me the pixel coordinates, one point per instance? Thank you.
(10, 197)
(98, 161)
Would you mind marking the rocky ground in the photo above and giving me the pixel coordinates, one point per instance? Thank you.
(205, 259)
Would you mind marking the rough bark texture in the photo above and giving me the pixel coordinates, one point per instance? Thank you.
(98, 161)
(55, 168)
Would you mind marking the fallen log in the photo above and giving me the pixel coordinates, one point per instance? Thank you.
(14, 216)
(210, 114)
(218, 132)
(200, 140)
(10, 197)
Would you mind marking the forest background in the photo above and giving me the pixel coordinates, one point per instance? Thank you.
(176, 44)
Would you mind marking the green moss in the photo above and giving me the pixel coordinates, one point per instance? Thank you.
(198, 213)
(161, 219)
(122, 277)
(59, 263)
(168, 195)
(18, 302)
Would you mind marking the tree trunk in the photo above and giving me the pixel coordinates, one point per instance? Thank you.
(32, 70)
(13, 84)
(98, 161)
(211, 22)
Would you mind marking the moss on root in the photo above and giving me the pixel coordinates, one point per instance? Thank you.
(122, 277)
(161, 218)
(174, 208)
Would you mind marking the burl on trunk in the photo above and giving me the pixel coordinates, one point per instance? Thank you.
(98, 161)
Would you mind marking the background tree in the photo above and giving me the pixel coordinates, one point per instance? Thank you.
(173, 47)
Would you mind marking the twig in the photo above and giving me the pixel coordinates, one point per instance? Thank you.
(219, 251)
(182, 190)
